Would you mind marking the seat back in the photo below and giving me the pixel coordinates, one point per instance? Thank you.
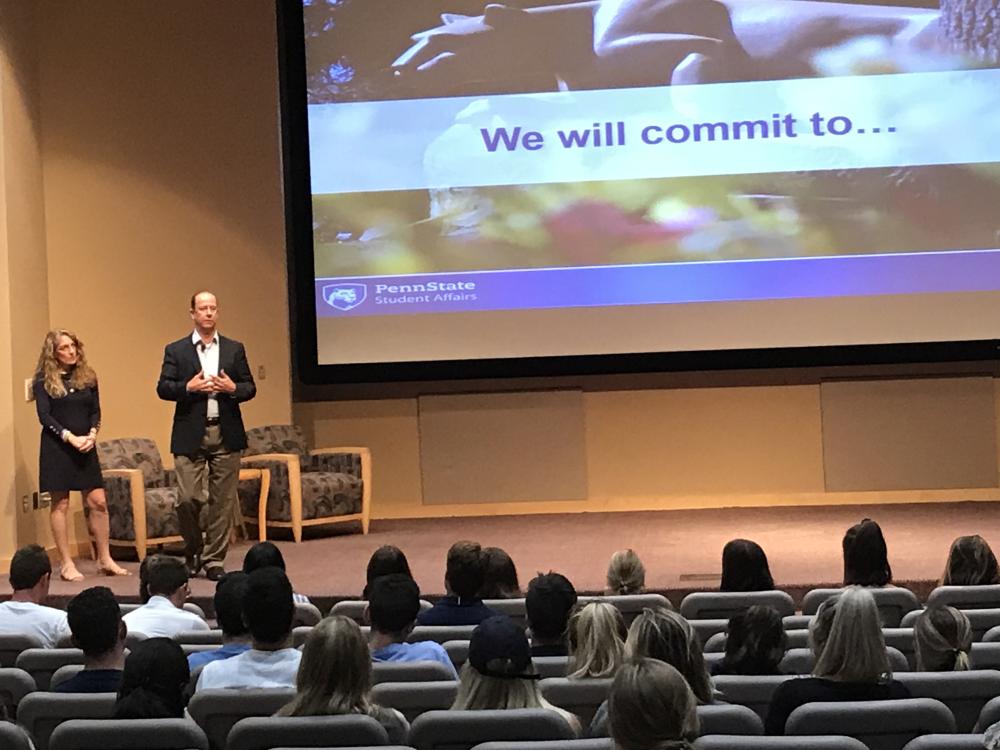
(964, 693)
(551, 666)
(133, 453)
(11, 647)
(217, 711)
(41, 663)
(630, 605)
(410, 671)
(600, 743)
(966, 597)
(65, 672)
(720, 718)
(903, 641)
(306, 615)
(350, 730)
(581, 697)
(893, 603)
(802, 661)
(199, 637)
(754, 691)
(797, 622)
(12, 737)
(355, 609)
(980, 620)
(128, 734)
(947, 742)
(15, 684)
(458, 652)
(881, 725)
(462, 730)
(715, 605)
(985, 656)
(440, 633)
(513, 608)
(707, 628)
(414, 698)
(793, 639)
(989, 715)
(278, 438)
(824, 742)
(40, 713)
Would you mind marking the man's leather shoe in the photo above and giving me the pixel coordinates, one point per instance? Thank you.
(193, 565)
(215, 573)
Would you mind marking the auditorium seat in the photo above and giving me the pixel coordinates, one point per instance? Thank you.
(440, 633)
(964, 693)
(754, 691)
(720, 718)
(265, 733)
(981, 621)
(893, 602)
(551, 666)
(902, 640)
(991, 636)
(513, 608)
(630, 605)
(985, 656)
(11, 647)
(822, 742)
(307, 487)
(306, 615)
(578, 696)
(705, 629)
(965, 597)
(193, 648)
(946, 742)
(65, 672)
(715, 605)
(989, 715)
(410, 671)
(600, 743)
(217, 711)
(458, 652)
(128, 734)
(199, 637)
(462, 730)
(414, 698)
(15, 684)
(881, 725)
(355, 609)
(41, 663)
(802, 661)
(12, 737)
(40, 713)
(797, 622)
(300, 634)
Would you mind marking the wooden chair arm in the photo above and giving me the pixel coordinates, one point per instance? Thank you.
(288, 458)
(265, 488)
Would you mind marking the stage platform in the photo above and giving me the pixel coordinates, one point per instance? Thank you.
(681, 549)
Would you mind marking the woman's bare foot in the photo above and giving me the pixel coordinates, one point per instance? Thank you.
(68, 572)
(111, 568)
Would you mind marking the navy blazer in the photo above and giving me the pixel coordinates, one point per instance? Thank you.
(180, 364)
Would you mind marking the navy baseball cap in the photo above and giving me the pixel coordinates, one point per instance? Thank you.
(499, 648)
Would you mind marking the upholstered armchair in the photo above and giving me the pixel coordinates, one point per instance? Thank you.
(307, 487)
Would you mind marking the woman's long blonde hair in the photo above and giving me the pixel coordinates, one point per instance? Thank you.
(479, 692)
(853, 649)
(50, 371)
(651, 707)
(596, 641)
(660, 633)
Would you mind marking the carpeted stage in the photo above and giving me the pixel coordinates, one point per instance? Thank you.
(681, 549)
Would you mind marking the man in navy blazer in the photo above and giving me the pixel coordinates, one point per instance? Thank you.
(208, 377)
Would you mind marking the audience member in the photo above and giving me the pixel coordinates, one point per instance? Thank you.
(95, 620)
(866, 561)
(971, 562)
(499, 673)
(651, 707)
(25, 613)
(272, 662)
(166, 581)
(548, 604)
(335, 677)
(384, 561)
(943, 639)
(499, 576)
(744, 567)
(393, 605)
(626, 574)
(228, 601)
(267, 554)
(755, 643)
(153, 682)
(851, 665)
(596, 641)
(463, 579)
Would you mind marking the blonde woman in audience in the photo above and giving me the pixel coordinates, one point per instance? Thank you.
(626, 573)
(851, 665)
(651, 707)
(971, 562)
(596, 641)
(943, 638)
(499, 673)
(335, 677)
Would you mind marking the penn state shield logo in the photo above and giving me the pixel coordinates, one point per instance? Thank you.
(344, 296)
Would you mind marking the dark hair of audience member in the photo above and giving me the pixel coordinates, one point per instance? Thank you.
(866, 560)
(651, 707)
(943, 639)
(661, 633)
(268, 607)
(755, 642)
(164, 575)
(154, 680)
(28, 566)
(384, 561)
(499, 575)
(626, 573)
(393, 604)
(228, 601)
(464, 569)
(744, 567)
(95, 619)
(849, 646)
(596, 641)
(971, 562)
(548, 604)
(263, 555)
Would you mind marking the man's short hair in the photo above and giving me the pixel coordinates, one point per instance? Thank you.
(548, 603)
(197, 294)
(28, 567)
(228, 602)
(465, 569)
(95, 620)
(393, 603)
(267, 605)
(165, 575)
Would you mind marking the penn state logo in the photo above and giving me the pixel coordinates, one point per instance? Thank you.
(344, 296)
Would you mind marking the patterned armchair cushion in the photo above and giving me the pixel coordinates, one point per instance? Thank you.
(338, 463)
(133, 453)
(161, 510)
(279, 501)
(328, 494)
(248, 491)
(278, 438)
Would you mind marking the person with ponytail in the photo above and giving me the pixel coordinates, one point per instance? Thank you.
(153, 682)
(943, 638)
(626, 574)
(651, 707)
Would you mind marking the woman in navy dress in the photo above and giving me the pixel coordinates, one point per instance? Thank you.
(69, 409)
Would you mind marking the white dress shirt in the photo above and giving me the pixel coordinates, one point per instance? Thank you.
(160, 618)
(47, 624)
(252, 669)
(208, 355)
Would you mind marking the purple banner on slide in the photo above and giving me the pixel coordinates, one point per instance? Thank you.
(661, 283)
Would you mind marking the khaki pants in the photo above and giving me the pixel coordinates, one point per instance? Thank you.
(210, 478)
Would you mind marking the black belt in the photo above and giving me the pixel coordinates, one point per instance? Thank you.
(212, 421)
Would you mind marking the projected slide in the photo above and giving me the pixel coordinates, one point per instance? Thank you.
(606, 153)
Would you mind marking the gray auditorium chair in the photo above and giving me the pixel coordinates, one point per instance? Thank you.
(306, 615)
(822, 742)
(462, 730)
(946, 742)
(901, 639)
(128, 734)
(194, 648)
(414, 698)
(581, 697)
(65, 672)
(41, 663)
(892, 602)
(630, 605)
(458, 652)
(881, 725)
(991, 636)
(441, 633)
(12, 645)
(355, 609)
(981, 620)
(591, 744)
(802, 661)
(794, 639)
(797, 622)
(964, 693)
(965, 597)
(40, 713)
(722, 718)
(985, 656)
(513, 608)
(265, 733)
(410, 671)
(551, 666)
(199, 637)
(217, 711)
(989, 715)
(707, 628)
(15, 684)
(12, 737)
(754, 691)
(300, 634)
(715, 605)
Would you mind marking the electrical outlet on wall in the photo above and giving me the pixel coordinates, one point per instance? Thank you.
(261, 373)
(25, 504)
(29, 394)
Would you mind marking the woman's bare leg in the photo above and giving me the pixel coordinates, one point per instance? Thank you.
(100, 528)
(57, 519)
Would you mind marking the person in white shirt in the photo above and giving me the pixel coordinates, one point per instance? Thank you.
(24, 614)
(166, 579)
(268, 610)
